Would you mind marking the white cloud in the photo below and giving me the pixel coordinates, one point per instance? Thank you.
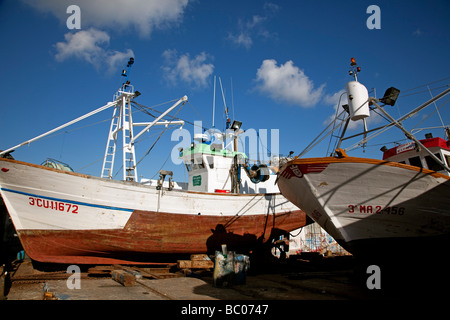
(143, 15)
(337, 100)
(117, 59)
(287, 83)
(242, 39)
(271, 8)
(89, 45)
(248, 30)
(195, 71)
(82, 44)
(253, 28)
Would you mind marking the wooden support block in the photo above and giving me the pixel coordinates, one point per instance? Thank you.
(202, 264)
(184, 264)
(195, 264)
(153, 270)
(123, 277)
(100, 271)
(199, 257)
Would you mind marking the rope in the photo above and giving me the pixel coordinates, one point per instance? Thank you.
(157, 139)
(385, 129)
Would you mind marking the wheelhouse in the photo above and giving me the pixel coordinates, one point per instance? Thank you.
(408, 153)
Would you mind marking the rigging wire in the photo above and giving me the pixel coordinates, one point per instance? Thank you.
(436, 107)
(375, 134)
(314, 143)
(109, 119)
(293, 236)
(437, 110)
(120, 149)
(425, 85)
(200, 117)
(157, 139)
(335, 116)
(162, 166)
(139, 108)
(144, 109)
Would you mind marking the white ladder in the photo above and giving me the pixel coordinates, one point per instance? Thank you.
(121, 121)
(108, 161)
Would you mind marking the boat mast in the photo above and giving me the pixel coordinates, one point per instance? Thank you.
(389, 99)
(214, 102)
(122, 121)
(354, 70)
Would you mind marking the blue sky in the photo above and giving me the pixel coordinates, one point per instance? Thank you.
(282, 65)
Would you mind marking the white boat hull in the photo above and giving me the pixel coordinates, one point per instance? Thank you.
(370, 206)
(67, 217)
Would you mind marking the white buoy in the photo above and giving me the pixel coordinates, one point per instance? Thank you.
(358, 100)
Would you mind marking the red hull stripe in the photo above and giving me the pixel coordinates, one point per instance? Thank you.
(298, 170)
(65, 200)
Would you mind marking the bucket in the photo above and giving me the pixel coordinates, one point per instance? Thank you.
(223, 269)
(241, 265)
(230, 268)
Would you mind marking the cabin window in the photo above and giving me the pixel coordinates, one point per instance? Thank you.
(447, 158)
(210, 161)
(188, 167)
(433, 164)
(402, 162)
(415, 161)
(198, 164)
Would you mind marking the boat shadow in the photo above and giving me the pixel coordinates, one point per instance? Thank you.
(259, 249)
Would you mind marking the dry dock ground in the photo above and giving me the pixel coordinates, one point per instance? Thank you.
(28, 284)
(333, 278)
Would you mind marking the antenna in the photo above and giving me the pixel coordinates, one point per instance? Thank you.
(354, 69)
(214, 101)
(232, 97)
(125, 72)
(225, 104)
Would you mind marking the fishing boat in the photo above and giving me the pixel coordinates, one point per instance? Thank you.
(381, 208)
(62, 216)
